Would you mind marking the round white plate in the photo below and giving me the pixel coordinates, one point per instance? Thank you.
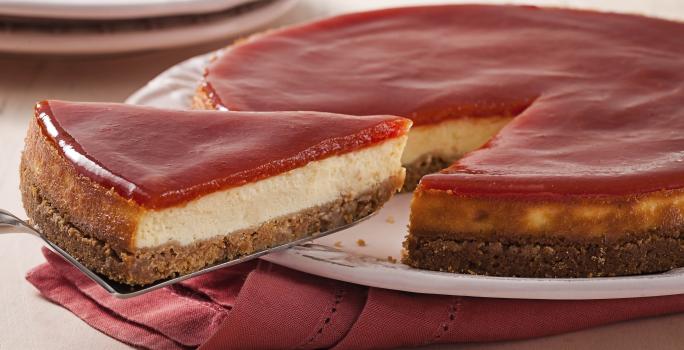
(140, 34)
(111, 9)
(340, 256)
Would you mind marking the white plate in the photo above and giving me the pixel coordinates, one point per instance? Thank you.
(384, 233)
(141, 34)
(111, 9)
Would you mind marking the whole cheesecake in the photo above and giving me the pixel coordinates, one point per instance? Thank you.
(141, 194)
(559, 131)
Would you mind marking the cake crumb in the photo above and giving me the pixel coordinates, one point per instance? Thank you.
(391, 259)
(390, 219)
(338, 244)
(361, 243)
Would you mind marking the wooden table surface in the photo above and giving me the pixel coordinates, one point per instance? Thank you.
(29, 322)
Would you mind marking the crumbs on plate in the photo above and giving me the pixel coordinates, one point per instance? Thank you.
(391, 259)
(390, 219)
(361, 243)
(338, 244)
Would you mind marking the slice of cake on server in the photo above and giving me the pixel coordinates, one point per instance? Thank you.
(141, 194)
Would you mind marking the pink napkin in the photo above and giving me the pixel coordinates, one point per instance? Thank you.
(260, 305)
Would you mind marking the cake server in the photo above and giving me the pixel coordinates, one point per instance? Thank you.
(10, 223)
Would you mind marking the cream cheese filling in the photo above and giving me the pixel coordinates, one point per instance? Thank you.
(319, 182)
(451, 138)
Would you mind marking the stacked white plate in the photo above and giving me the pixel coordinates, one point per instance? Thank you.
(109, 26)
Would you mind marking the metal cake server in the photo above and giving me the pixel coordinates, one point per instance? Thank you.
(10, 223)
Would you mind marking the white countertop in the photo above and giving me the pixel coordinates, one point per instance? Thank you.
(29, 322)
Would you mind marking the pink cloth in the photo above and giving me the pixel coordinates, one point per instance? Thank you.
(259, 305)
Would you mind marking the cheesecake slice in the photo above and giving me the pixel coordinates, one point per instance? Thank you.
(141, 194)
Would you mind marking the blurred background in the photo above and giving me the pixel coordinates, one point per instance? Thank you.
(75, 27)
(104, 50)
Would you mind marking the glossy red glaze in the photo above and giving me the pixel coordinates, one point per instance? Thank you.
(161, 158)
(599, 98)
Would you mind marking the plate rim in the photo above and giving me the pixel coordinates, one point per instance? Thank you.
(483, 286)
(111, 9)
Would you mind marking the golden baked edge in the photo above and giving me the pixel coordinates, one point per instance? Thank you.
(563, 236)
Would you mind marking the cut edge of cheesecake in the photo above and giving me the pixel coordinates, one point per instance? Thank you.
(115, 236)
(429, 148)
(433, 147)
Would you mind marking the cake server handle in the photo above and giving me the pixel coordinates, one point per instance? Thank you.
(10, 223)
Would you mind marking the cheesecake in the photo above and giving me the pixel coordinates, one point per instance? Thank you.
(140, 194)
(546, 142)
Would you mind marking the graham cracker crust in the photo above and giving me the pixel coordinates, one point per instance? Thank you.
(649, 252)
(427, 164)
(201, 99)
(147, 265)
